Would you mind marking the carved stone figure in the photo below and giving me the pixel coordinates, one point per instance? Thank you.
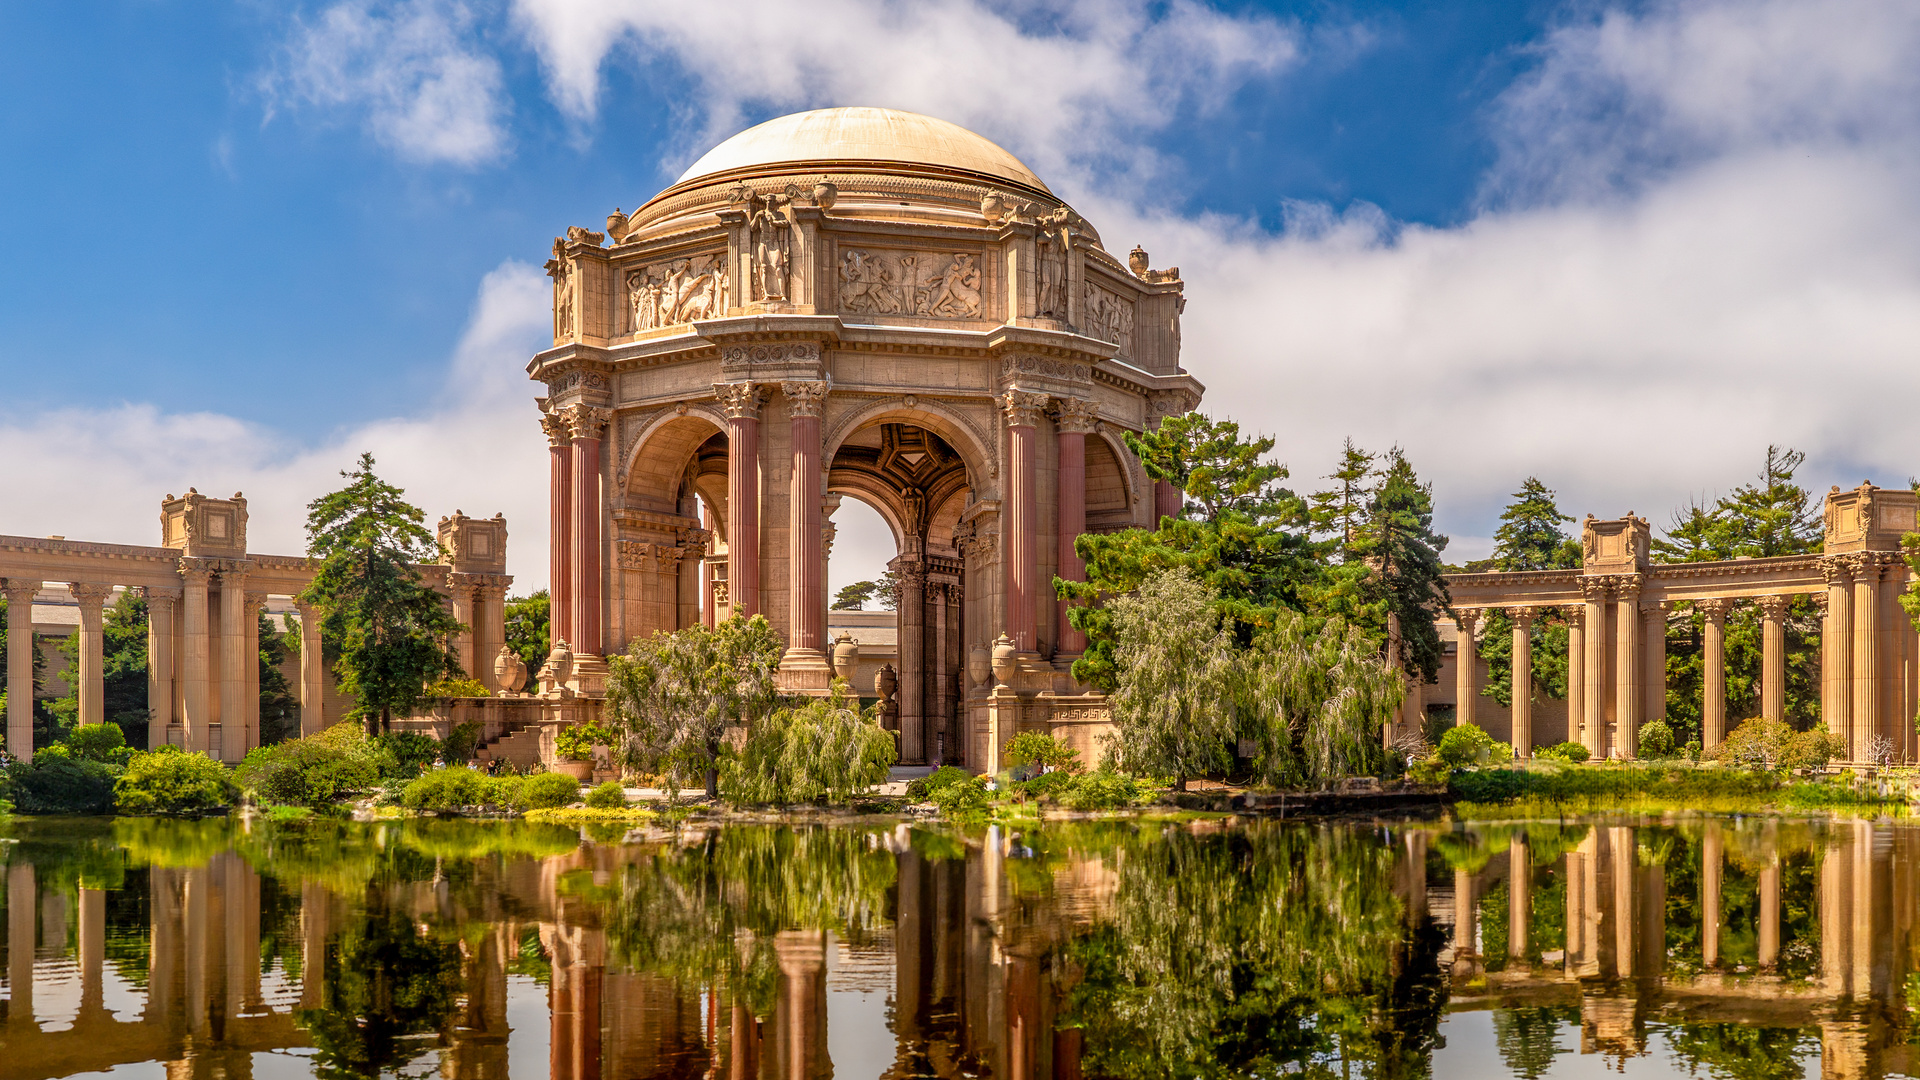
(866, 284)
(890, 283)
(682, 291)
(1109, 317)
(955, 294)
(770, 232)
(1051, 245)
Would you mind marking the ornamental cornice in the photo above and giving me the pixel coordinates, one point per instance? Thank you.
(785, 353)
(200, 563)
(42, 546)
(655, 520)
(1027, 366)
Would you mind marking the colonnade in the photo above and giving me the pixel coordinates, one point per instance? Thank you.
(1617, 609)
(205, 593)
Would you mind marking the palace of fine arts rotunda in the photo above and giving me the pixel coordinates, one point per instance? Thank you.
(869, 303)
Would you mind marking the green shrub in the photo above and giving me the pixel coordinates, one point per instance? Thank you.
(825, 750)
(1040, 748)
(608, 796)
(104, 743)
(545, 791)
(1656, 739)
(319, 770)
(963, 798)
(454, 787)
(1602, 785)
(58, 783)
(460, 743)
(1047, 786)
(1102, 791)
(457, 688)
(1429, 771)
(1566, 751)
(1500, 753)
(403, 755)
(170, 781)
(508, 791)
(1463, 744)
(1773, 744)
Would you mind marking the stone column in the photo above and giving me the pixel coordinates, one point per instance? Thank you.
(196, 660)
(1713, 698)
(1074, 420)
(1167, 501)
(559, 524)
(1023, 521)
(939, 707)
(461, 594)
(23, 909)
(20, 593)
(256, 603)
(93, 949)
(1520, 894)
(1576, 673)
(1836, 648)
(912, 608)
(1594, 661)
(807, 559)
(1866, 657)
(160, 609)
(233, 666)
(1711, 864)
(741, 402)
(1626, 686)
(1770, 909)
(1464, 680)
(91, 598)
(313, 670)
(1653, 675)
(1773, 657)
(1522, 681)
(586, 425)
(1464, 945)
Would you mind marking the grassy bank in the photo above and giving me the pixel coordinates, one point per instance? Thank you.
(1549, 790)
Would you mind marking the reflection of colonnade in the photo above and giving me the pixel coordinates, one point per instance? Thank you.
(1623, 960)
(1617, 604)
(204, 593)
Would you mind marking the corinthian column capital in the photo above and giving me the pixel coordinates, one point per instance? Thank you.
(1714, 609)
(1023, 407)
(555, 425)
(740, 400)
(90, 594)
(1522, 616)
(584, 421)
(1075, 415)
(806, 398)
(1774, 607)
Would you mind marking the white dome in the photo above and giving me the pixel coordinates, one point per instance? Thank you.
(846, 135)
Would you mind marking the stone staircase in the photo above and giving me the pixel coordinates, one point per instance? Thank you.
(519, 749)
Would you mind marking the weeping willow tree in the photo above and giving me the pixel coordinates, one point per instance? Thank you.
(823, 750)
(673, 696)
(1308, 695)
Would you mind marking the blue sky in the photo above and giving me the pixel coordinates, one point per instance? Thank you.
(1622, 246)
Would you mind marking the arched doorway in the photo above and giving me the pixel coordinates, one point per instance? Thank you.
(918, 482)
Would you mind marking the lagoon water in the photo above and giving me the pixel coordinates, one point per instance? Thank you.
(1711, 946)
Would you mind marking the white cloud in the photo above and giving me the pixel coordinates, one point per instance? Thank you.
(1063, 84)
(410, 68)
(478, 448)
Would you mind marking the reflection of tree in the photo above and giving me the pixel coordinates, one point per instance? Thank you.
(1528, 1039)
(1743, 1052)
(386, 982)
(1242, 951)
(709, 911)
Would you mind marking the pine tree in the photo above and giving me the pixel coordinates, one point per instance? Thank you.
(390, 631)
(1339, 513)
(1400, 542)
(1529, 538)
(855, 596)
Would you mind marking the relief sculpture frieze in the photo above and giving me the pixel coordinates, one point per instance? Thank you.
(943, 285)
(677, 292)
(1108, 316)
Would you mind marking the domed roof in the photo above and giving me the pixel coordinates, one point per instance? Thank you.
(863, 134)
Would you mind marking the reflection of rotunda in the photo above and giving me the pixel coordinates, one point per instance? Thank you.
(897, 310)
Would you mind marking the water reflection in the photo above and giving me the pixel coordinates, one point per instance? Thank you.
(1755, 947)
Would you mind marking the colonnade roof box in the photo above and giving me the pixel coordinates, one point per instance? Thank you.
(204, 528)
(1869, 518)
(1615, 545)
(474, 545)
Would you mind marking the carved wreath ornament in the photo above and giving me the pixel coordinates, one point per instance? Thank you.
(799, 352)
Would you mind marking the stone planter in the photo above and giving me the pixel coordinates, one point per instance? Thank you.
(579, 770)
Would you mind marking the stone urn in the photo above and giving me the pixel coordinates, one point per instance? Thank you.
(509, 672)
(558, 668)
(846, 654)
(885, 683)
(825, 194)
(1003, 660)
(1137, 261)
(979, 665)
(993, 206)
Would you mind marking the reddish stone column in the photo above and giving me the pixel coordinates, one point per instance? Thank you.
(560, 525)
(1023, 520)
(805, 544)
(741, 401)
(1075, 419)
(1166, 501)
(587, 424)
